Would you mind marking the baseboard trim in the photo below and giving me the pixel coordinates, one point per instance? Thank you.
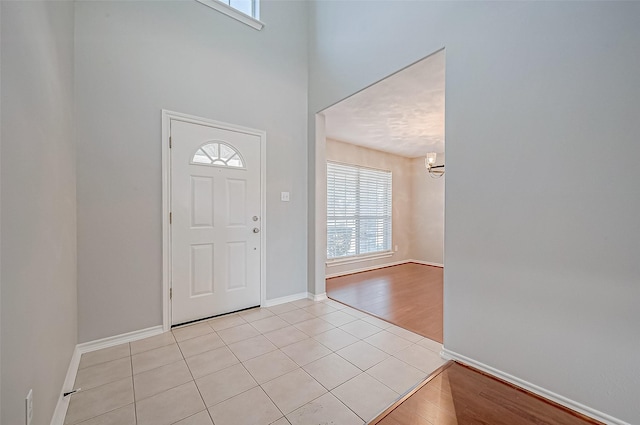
(295, 297)
(287, 299)
(318, 297)
(111, 341)
(542, 392)
(366, 269)
(427, 263)
(381, 266)
(63, 402)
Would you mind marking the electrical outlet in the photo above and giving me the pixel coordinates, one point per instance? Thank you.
(29, 407)
(284, 196)
(396, 248)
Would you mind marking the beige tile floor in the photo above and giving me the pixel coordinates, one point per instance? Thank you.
(300, 363)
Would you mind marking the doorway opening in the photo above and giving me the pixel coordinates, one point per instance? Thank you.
(381, 152)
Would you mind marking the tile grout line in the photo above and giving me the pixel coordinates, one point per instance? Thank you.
(374, 378)
(193, 377)
(311, 401)
(103, 413)
(190, 416)
(335, 352)
(228, 398)
(240, 363)
(339, 401)
(361, 340)
(167, 389)
(109, 380)
(96, 387)
(269, 397)
(260, 385)
(193, 337)
(345, 405)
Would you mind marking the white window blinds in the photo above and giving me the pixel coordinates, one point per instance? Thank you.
(358, 210)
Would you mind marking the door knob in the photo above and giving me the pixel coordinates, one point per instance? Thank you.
(256, 230)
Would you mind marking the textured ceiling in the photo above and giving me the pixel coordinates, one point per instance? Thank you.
(402, 114)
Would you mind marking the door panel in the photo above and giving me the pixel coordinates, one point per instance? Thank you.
(202, 266)
(215, 192)
(237, 265)
(236, 190)
(202, 201)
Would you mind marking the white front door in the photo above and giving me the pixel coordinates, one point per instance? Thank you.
(216, 223)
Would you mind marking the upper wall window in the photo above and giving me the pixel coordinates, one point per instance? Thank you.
(248, 7)
(245, 11)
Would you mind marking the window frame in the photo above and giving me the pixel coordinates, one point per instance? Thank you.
(388, 252)
(252, 21)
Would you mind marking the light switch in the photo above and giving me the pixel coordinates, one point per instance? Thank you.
(284, 196)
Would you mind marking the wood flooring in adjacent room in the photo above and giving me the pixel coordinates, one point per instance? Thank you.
(460, 395)
(408, 295)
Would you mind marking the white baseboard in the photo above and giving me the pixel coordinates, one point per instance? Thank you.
(426, 263)
(295, 297)
(63, 402)
(366, 269)
(111, 341)
(319, 297)
(381, 266)
(287, 299)
(550, 395)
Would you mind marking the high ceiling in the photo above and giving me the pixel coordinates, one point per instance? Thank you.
(402, 114)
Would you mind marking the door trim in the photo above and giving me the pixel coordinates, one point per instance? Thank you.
(167, 116)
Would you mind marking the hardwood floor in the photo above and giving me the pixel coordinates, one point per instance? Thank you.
(460, 395)
(408, 295)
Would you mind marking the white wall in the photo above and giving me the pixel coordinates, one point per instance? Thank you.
(400, 168)
(38, 191)
(132, 60)
(427, 213)
(542, 270)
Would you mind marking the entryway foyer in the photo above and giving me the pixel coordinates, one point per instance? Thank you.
(295, 363)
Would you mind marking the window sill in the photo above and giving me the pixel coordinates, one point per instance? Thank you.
(358, 259)
(233, 13)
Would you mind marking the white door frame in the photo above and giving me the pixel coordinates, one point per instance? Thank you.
(167, 116)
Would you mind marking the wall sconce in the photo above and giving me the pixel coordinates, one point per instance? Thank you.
(435, 171)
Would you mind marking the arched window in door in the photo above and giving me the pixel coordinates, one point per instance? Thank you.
(218, 154)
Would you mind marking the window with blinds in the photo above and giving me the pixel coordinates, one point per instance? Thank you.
(358, 210)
